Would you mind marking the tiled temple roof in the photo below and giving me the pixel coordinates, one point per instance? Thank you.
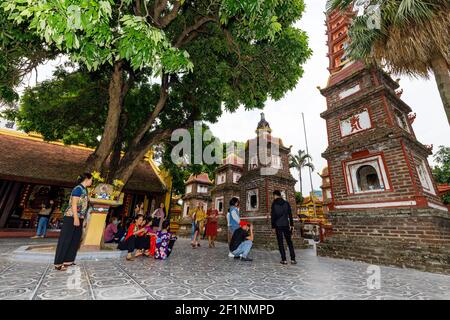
(202, 178)
(28, 159)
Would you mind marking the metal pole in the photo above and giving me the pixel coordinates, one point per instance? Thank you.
(310, 170)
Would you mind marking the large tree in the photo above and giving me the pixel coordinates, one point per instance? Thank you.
(413, 39)
(205, 55)
(20, 53)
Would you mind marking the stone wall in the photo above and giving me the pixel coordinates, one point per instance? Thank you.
(266, 185)
(265, 237)
(409, 238)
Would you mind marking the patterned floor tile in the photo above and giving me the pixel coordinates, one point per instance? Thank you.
(62, 294)
(209, 274)
(119, 292)
(16, 293)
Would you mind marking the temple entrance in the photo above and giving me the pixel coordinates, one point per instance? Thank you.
(21, 202)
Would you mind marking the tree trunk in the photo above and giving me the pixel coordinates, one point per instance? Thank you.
(117, 150)
(300, 180)
(135, 155)
(442, 76)
(116, 95)
(146, 126)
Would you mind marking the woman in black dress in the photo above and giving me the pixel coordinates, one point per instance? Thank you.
(70, 236)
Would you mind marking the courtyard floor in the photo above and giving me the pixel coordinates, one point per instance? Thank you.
(209, 274)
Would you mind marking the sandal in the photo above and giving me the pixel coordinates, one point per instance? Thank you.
(61, 268)
(69, 264)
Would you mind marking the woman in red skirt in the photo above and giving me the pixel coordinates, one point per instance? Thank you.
(211, 227)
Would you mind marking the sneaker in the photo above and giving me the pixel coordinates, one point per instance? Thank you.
(35, 237)
(230, 255)
(246, 259)
(283, 262)
(237, 257)
(293, 262)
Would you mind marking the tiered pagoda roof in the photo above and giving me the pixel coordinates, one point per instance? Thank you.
(201, 178)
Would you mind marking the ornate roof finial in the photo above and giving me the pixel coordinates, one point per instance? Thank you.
(263, 125)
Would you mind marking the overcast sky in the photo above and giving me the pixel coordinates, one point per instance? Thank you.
(284, 116)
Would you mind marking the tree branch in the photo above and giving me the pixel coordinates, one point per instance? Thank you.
(137, 8)
(181, 40)
(160, 5)
(168, 18)
(163, 95)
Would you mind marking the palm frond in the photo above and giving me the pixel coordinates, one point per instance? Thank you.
(338, 4)
(310, 165)
(412, 33)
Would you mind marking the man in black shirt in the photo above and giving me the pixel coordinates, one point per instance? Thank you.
(283, 223)
(242, 241)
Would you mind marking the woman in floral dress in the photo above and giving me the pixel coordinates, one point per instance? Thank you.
(164, 242)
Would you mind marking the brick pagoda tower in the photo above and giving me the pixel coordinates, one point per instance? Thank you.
(260, 177)
(385, 207)
(226, 186)
(198, 189)
(226, 183)
(256, 184)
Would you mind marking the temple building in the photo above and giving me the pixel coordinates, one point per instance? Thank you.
(311, 207)
(384, 202)
(264, 169)
(198, 188)
(326, 189)
(226, 183)
(33, 171)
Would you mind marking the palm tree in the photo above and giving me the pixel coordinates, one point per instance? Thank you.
(413, 39)
(299, 161)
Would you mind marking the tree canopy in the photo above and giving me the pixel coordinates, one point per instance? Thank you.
(20, 53)
(153, 66)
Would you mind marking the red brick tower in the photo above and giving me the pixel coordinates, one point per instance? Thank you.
(385, 208)
(265, 171)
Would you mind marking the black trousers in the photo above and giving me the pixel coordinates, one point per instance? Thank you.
(170, 246)
(133, 242)
(286, 233)
(68, 242)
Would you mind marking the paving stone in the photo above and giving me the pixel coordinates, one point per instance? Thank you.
(209, 274)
